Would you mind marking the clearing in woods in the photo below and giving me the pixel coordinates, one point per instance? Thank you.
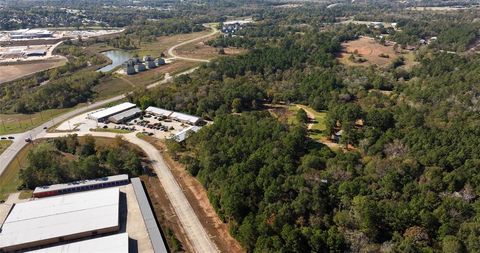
(370, 50)
(13, 72)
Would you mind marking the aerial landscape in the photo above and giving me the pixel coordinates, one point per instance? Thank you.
(239, 126)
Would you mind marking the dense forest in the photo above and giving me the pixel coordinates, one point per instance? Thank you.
(407, 179)
(409, 184)
(67, 159)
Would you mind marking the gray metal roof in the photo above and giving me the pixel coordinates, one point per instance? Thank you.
(80, 183)
(55, 217)
(111, 110)
(117, 243)
(156, 238)
(125, 115)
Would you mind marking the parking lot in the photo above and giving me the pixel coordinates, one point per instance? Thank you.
(151, 125)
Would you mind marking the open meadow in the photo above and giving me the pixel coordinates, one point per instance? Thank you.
(12, 72)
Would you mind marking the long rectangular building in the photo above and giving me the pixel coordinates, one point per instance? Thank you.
(125, 116)
(158, 111)
(185, 118)
(51, 220)
(117, 243)
(78, 186)
(103, 115)
(154, 233)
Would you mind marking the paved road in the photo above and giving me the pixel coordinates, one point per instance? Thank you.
(19, 142)
(196, 234)
(194, 230)
(171, 51)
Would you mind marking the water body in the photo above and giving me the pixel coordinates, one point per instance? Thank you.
(117, 57)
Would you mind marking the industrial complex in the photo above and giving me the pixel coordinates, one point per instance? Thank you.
(106, 216)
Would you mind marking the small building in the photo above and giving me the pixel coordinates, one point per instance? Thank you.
(61, 218)
(159, 111)
(102, 115)
(185, 133)
(160, 61)
(139, 67)
(125, 116)
(149, 61)
(377, 25)
(337, 136)
(129, 67)
(35, 52)
(185, 118)
(79, 186)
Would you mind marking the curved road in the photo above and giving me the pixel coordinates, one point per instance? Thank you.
(171, 51)
(192, 226)
(196, 234)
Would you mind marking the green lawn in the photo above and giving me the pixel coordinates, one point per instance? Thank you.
(4, 144)
(318, 124)
(17, 123)
(9, 180)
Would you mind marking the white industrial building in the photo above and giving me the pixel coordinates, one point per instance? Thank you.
(104, 114)
(117, 243)
(178, 116)
(182, 135)
(185, 118)
(125, 116)
(158, 111)
(29, 34)
(61, 218)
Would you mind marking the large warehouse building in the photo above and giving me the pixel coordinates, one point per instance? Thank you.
(103, 115)
(78, 186)
(178, 116)
(60, 218)
(117, 243)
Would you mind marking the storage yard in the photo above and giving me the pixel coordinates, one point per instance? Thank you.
(113, 219)
(126, 117)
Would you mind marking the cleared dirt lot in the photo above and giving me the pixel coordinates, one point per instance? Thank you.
(12, 72)
(368, 49)
(202, 51)
(162, 43)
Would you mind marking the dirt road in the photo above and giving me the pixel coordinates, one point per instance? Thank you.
(171, 51)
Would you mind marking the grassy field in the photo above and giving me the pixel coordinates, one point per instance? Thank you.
(17, 123)
(111, 86)
(4, 144)
(161, 44)
(12, 72)
(200, 50)
(287, 114)
(317, 126)
(9, 180)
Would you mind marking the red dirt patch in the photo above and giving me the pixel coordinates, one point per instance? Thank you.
(368, 49)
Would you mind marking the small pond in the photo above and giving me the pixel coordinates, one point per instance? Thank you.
(117, 57)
